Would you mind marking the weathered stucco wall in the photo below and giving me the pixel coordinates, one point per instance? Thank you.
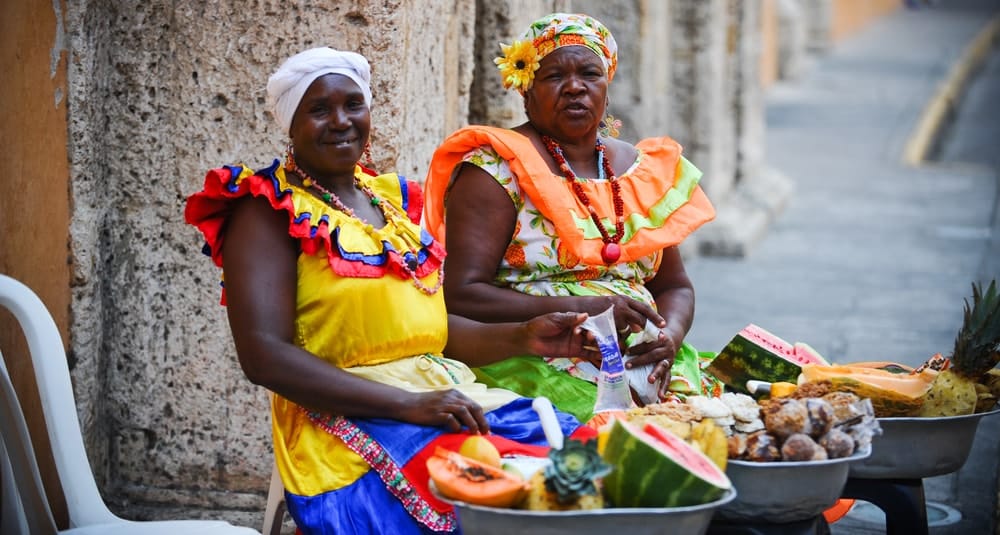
(641, 94)
(849, 16)
(498, 22)
(157, 92)
(161, 92)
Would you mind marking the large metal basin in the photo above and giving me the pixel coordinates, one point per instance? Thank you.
(916, 447)
(693, 520)
(783, 492)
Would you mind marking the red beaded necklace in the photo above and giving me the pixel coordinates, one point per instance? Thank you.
(388, 211)
(611, 251)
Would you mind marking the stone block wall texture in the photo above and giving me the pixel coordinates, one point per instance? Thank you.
(849, 16)
(818, 15)
(161, 91)
(500, 22)
(141, 98)
(747, 89)
(700, 115)
(793, 32)
(640, 94)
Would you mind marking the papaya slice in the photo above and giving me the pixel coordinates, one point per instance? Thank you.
(458, 477)
(891, 367)
(892, 393)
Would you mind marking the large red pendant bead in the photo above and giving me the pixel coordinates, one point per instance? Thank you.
(610, 253)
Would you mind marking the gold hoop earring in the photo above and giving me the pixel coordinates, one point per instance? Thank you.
(369, 162)
(289, 157)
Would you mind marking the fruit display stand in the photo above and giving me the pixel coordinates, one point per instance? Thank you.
(784, 492)
(691, 520)
(892, 477)
(945, 443)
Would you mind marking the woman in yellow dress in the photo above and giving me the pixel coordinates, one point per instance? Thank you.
(332, 293)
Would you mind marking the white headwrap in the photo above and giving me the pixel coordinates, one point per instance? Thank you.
(286, 86)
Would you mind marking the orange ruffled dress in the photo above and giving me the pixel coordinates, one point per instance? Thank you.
(556, 247)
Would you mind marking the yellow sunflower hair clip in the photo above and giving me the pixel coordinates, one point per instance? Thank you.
(518, 64)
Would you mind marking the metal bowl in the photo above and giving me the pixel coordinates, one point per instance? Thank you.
(917, 447)
(785, 491)
(482, 520)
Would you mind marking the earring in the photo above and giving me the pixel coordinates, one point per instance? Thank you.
(289, 157)
(609, 126)
(369, 161)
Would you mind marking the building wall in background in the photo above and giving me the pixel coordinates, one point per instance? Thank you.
(850, 16)
(34, 209)
(158, 92)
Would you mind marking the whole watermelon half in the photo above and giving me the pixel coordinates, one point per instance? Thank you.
(755, 353)
(654, 468)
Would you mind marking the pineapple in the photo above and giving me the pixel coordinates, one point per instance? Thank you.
(571, 482)
(711, 440)
(950, 395)
(992, 382)
(977, 351)
(985, 399)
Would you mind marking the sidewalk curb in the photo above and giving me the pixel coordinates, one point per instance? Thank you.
(949, 92)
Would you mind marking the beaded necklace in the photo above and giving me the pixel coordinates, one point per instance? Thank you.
(389, 212)
(611, 251)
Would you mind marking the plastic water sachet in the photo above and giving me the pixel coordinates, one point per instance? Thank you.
(638, 376)
(612, 382)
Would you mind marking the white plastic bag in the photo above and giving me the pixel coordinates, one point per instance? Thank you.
(612, 381)
(638, 376)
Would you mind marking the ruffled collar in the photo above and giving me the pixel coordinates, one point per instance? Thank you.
(663, 202)
(352, 247)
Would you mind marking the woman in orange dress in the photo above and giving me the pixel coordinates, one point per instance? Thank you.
(557, 215)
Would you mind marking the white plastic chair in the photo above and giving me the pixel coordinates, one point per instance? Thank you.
(14, 515)
(274, 512)
(88, 514)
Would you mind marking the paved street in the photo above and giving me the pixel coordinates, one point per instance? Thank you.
(871, 259)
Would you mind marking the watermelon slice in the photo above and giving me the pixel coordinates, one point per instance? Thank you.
(652, 467)
(755, 353)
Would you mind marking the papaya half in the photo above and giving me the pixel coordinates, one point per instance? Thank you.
(891, 367)
(893, 392)
(458, 477)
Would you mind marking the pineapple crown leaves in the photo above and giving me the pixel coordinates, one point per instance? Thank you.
(977, 345)
(574, 470)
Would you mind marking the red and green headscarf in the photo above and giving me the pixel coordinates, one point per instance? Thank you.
(521, 58)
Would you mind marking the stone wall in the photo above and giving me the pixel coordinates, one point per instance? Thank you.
(747, 193)
(500, 22)
(161, 91)
(155, 93)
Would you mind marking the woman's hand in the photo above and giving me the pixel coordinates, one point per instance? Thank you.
(630, 314)
(663, 351)
(450, 409)
(558, 334)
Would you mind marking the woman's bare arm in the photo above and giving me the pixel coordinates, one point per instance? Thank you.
(481, 219)
(259, 262)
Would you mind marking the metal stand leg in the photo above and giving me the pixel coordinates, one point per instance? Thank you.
(815, 526)
(902, 500)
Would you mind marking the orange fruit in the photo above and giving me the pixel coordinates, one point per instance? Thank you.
(782, 389)
(479, 448)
